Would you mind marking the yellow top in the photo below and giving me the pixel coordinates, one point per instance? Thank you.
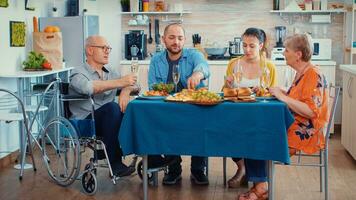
(269, 64)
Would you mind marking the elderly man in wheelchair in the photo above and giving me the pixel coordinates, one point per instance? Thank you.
(101, 83)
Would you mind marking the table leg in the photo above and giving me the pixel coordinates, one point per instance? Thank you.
(22, 165)
(145, 180)
(270, 180)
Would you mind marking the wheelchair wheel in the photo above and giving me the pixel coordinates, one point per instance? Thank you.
(139, 169)
(89, 182)
(61, 151)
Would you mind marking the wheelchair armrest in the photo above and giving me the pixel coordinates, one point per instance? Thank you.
(75, 97)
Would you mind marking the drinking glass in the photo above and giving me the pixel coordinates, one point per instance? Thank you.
(176, 76)
(265, 80)
(134, 65)
(237, 74)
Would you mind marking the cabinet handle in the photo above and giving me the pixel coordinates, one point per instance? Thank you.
(349, 85)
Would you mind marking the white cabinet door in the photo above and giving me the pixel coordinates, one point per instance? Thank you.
(216, 79)
(351, 115)
(346, 139)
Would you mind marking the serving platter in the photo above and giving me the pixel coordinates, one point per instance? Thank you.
(151, 97)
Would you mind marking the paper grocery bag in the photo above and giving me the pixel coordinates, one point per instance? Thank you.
(51, 46)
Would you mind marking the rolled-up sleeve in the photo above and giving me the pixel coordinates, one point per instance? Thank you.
(81, 84)
(201, 65)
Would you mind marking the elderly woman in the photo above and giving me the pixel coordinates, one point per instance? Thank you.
(250, 65)
(307, 99)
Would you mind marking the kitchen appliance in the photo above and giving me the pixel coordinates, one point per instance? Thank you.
(280, 35)
(235, 47)
(136, 38)
(322, 49)
(277, 51)
(75, 29)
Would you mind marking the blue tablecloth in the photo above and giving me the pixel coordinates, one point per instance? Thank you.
(249, 130)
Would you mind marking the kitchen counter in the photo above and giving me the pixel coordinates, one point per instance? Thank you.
(147, 62)
(225, 62)
(349, 68)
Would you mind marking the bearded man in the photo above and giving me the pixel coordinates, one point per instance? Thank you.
(193, 70)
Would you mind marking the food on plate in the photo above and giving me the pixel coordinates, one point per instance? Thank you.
(244, 91)
(230, 92)
(163, 87)
(195, 96)
(261, 92)
(155, 93)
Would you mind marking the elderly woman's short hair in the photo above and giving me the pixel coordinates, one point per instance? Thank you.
(302, 43)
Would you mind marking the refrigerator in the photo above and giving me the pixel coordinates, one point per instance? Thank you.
(75, 29)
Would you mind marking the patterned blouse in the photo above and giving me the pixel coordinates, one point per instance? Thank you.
(307, 134)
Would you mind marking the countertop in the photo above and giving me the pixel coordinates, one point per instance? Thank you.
(29, 74)
(225, 62)
(349, 68)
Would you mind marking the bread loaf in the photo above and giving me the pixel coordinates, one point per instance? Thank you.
(230, 92)
(244, 91)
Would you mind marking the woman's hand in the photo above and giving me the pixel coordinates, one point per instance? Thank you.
(277, 92)
(229, 81)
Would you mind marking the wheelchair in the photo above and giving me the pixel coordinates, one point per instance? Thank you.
(63, 142)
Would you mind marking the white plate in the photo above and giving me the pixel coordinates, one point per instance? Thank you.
(151, 97)
(267, 98)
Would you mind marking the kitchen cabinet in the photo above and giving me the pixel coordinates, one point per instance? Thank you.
(348, 128)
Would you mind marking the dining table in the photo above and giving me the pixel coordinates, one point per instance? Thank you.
(255, 130)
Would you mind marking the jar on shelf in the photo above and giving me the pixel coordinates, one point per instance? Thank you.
(160, 6)
(308, 4)
(145, 5)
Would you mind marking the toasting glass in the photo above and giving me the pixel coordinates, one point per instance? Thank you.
(176, 76)
(237, 74)
(265, 80)
(134, 65)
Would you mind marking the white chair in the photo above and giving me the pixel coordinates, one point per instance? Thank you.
(12, 109)
(323, 153)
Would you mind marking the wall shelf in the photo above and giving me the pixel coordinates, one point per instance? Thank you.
(336, 11)
(156, 13)
(164, 19)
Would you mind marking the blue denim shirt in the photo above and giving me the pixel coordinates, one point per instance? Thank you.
(191, 61)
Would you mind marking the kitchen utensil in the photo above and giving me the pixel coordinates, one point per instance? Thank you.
(215, 51)
(150, 40)
(157, 36)
(134, 50)
(196, 39)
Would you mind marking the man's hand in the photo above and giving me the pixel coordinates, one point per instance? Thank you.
(194, 80)
(124, 99)
(129, 80)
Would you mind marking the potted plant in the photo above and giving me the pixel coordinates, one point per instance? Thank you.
(125, 5)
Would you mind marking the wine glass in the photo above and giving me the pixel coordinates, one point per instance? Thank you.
(265, 80)
(176, 76)
(237, 74)
(134, 65)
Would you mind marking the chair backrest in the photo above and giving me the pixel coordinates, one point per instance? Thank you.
(7, 102)
(334, 92)
(10, 102)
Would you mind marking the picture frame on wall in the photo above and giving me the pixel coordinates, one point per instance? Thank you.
(17, 34)
(4, 3)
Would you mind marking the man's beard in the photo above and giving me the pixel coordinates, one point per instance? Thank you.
(174, 52)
